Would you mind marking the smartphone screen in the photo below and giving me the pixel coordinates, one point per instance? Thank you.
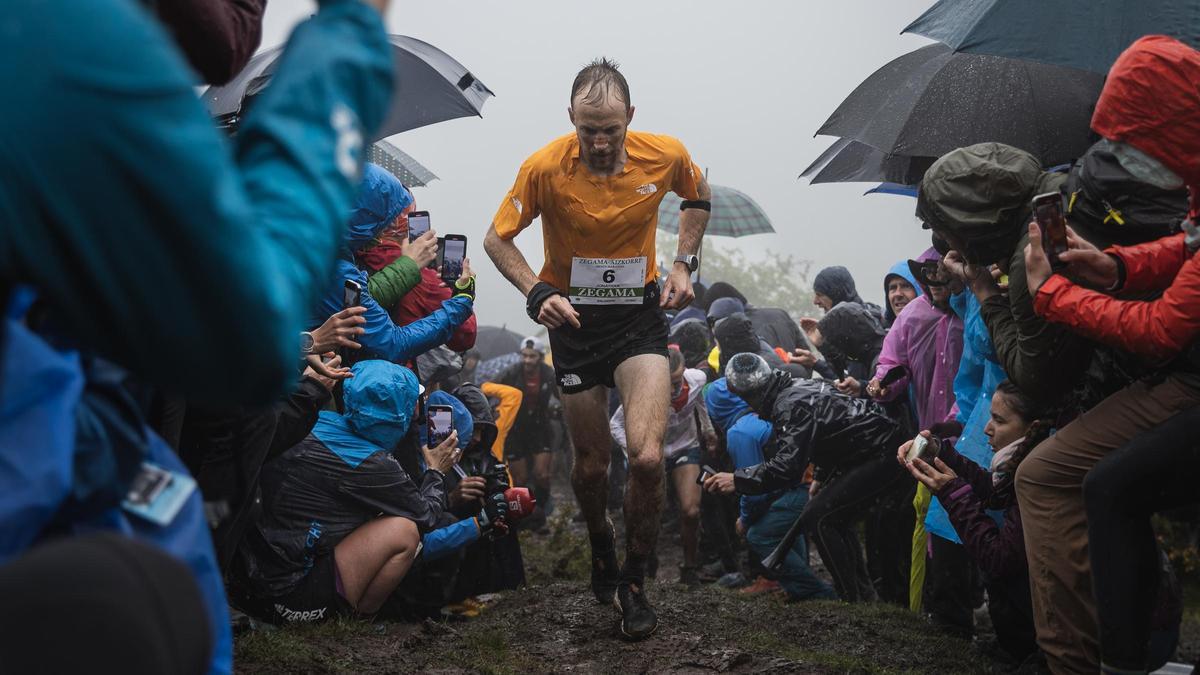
(352, 294)
(452, 257)
(441, 423)
(1048, 212)
(418, 224)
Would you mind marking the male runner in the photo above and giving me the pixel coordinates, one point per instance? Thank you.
(597, 192)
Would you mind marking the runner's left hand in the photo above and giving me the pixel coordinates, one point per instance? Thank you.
(677, 292)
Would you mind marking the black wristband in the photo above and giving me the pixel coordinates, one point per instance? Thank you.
(696, 204)
(540, 292)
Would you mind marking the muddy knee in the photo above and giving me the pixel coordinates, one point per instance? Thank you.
(646, 464)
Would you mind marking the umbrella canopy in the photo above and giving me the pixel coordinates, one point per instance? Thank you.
(933, 100)
(430, 87)
(400, 164)
(734, 214)
(489, 370)
(1084, 34)
(849, 161)
(491, 341)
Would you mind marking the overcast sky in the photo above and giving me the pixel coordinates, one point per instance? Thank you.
(744, 86)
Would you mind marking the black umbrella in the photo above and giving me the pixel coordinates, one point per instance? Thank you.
(933, 100)
(849, 161)
(1087, 34)
(491, 341)
(430, 87)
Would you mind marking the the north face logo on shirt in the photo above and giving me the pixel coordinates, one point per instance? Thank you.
(647, 189)
(517, 203)
(571, 380)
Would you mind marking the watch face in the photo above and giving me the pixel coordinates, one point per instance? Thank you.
(306, 342)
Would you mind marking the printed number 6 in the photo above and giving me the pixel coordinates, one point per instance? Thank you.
(609, 276)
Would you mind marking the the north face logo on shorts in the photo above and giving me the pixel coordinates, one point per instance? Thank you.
(570, 380)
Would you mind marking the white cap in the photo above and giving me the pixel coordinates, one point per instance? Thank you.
(533, 343)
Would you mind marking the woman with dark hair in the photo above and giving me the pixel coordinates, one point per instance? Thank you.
(968, 491)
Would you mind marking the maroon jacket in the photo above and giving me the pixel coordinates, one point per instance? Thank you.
(998, 550)
(217, 36)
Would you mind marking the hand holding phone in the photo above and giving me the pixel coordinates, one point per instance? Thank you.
(418, 224)
(1048, 212)
(705, 472)
(453, 254)
(441, 423)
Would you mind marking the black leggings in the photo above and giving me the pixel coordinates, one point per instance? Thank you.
(1154, 472)
(830, 517)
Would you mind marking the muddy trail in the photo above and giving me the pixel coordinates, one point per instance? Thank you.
(555, 625)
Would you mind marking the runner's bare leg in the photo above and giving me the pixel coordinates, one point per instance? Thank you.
(645, 385)
(587, 421)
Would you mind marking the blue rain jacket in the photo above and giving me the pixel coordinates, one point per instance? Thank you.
(979, 373)
(746, 434)
(187, 243)
(381, 197)
(40, 462)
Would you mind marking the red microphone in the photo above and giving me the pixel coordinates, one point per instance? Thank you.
(520, 503)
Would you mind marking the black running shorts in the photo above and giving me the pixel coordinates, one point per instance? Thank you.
(317, 597)
(588, 356)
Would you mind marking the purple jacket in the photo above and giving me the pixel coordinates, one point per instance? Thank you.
(928, 342)
(998, 549)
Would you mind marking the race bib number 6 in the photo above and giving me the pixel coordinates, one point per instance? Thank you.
(607, 281)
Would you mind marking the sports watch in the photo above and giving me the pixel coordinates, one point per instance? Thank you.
(691, 261)
(307, 342)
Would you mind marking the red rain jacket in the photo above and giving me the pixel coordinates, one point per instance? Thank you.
(1150, 102)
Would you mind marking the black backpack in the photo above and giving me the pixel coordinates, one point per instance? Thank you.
(1104, 198)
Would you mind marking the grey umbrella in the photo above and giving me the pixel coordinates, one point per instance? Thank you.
(430, 87)
(933, 100)
(400, 164)
(849, 161)
(1085, 34)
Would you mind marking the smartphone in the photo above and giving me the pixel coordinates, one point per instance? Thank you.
(893, 376)
(454, 252)
(351, 294)
(418, 224)
(706, 472)
(1048, 212)
(441, 423)
(924, 449)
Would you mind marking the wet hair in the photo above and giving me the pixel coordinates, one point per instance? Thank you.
(674, 358)
(596, 81)
(1029, 412)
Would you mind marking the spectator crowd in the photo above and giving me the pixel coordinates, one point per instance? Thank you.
(234, 400)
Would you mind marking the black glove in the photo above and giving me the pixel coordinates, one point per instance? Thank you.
(493, 519)
(540, 292)
(465, 288)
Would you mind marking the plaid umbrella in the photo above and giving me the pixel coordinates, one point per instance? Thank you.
(490, 369)
(400, 164)
(734, 214)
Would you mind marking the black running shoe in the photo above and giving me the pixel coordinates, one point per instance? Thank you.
(606, 574)
(638, 619)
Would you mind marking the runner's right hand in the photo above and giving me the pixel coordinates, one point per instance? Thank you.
(556, 310)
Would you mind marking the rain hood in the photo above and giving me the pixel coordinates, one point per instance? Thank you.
(381, 198)
(1150, 101)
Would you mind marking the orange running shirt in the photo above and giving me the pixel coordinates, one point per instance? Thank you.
(589, 216)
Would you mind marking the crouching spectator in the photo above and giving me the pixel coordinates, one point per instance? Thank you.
(341, 521)
(765, 519)
(968, 491)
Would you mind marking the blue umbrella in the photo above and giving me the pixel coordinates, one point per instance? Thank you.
(1084, 34)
